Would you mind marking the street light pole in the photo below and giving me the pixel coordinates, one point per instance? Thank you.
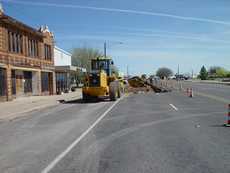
(178, 70)
(105, 49)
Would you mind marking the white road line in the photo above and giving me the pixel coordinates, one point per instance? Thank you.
(67, 150)
(174, 107)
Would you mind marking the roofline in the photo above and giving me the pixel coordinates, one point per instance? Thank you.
(14, 21)
(67, 53)
(66, 67)
(103, 58)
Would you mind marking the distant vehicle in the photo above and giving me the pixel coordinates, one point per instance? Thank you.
(182, 77)
(172, 77)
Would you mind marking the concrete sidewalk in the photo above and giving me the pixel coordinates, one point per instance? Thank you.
(20, 106)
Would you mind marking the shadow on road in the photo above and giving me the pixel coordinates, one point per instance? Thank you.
(81, 101)
(218, 125)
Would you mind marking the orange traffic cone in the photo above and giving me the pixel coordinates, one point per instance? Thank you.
(187, 91)
(190, 92)
(228, 120)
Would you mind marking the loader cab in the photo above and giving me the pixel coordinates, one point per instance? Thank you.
(100, 70)
(100, 64)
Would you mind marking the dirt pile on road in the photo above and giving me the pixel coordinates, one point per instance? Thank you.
(137, 84)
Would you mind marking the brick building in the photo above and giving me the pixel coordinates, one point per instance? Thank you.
(26, 60)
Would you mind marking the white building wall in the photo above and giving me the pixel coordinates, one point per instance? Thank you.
(61, 57)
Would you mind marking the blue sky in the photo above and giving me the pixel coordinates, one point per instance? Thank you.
(154, 33)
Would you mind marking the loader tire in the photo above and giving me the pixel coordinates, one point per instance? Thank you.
(118, 93)
(112, 92)
(85, 97)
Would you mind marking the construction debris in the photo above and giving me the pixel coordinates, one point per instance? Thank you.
(138, 84)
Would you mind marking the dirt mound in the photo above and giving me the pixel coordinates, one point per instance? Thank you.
(138, 84)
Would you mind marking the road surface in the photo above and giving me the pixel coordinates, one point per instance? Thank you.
(217, 90)
(160, 133)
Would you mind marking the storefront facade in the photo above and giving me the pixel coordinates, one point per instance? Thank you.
(62, 82)
(66, 74)
(62, 59)
(26, 60)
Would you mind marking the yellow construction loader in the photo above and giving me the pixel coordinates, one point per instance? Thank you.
(101, 82)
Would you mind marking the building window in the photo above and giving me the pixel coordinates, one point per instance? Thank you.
(61, 82)
(13, 80)
(15, 42)
(2, 82)
(28, 82)
(45, 81)
(48, 54)
(33, 48)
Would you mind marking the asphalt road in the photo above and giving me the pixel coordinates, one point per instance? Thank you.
(216, 90)
(142, 133)
(28, 144)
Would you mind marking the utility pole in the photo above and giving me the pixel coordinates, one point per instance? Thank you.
(178, 78)
(105, 49)
(178, 70)
(1, 7)
(127, 71)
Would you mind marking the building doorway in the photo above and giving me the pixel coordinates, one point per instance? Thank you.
(21, 83)
(61, 82)
(3, 82)
(47, 82)
(13, 82)
(27, 82)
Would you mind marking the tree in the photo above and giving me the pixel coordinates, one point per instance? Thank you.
(221, 73)
(82, 57)
(228, 75)
(203, 73)
(212, 70)
(164, 72)
(217, 72)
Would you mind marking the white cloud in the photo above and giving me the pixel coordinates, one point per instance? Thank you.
(125, 11)
(104, 35)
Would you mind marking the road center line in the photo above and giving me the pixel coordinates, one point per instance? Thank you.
(174, 107)
(67, 150)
